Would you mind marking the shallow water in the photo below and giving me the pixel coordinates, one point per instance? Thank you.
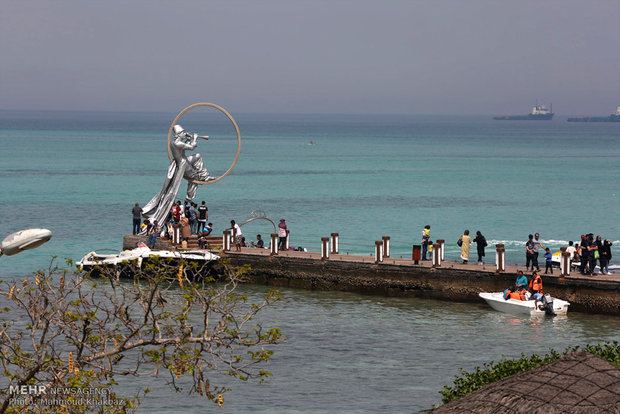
(349, 353)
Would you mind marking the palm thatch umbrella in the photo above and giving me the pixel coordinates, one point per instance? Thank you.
(576, 383)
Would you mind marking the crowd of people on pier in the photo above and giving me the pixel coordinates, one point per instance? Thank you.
(591, 252)
(192, 219)
(189, 219)
(588, 252)
(584, 255)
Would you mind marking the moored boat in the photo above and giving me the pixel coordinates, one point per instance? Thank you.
(140, 256)
(527, 307)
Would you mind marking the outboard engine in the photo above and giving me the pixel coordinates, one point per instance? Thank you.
(547, 305)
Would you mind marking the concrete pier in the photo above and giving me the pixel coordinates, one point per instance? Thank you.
(401, 277)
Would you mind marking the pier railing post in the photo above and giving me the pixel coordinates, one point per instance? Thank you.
(564, 262)
(416, 253)
(176, 234)
(436, 255)
(500, 258)
(226, 240)
(441, 242)
(378, 251)
(324, 248)
(274, 244)
(386, 246)
(286, 240)
(335, 243)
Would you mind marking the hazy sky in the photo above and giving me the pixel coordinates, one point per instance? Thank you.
(387, 56)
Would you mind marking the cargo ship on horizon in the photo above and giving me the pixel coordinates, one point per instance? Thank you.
(615, 117)
(539, 113)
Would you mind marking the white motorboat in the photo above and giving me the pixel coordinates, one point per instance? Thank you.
(528, 307)
(141, 255)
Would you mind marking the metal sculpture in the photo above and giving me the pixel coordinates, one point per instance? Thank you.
(183, 166)
(259, 214)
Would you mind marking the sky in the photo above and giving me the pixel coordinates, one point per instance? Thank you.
(441, 57)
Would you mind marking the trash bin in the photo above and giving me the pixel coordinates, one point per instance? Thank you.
(417, 253)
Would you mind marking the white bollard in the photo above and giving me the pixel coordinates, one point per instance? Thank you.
(500, 263)
(565, 263)
(378, 251)
(286, 240)
(335, 243)
(176, 234)
(441, 242)
(226, 240)
(274, 244)
(324, 248)
(436, 255)
(386, 246)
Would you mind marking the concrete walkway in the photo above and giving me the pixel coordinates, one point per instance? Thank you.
(486, 268)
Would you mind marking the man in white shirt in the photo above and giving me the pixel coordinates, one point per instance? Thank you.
(237, 235)
(571, 249)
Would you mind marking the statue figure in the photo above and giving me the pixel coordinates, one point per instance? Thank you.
(189, 167)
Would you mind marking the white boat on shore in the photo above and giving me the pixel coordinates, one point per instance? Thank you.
(527, 307)
(142, 255)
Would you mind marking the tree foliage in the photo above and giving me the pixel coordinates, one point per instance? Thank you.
(61, 328)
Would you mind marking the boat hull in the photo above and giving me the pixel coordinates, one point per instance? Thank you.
(611, 118)
(529, 117)
(524, 307)
(131, 262)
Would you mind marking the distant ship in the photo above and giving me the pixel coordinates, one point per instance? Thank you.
(615, 117)
(539, 113)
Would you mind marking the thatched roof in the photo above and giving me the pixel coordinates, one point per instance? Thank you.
(576, 383)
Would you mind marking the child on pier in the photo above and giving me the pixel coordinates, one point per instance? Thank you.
(548, 261)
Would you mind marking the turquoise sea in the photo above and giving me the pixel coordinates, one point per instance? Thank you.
(79, 174)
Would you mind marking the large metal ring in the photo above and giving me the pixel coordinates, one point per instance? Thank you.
(219, 108)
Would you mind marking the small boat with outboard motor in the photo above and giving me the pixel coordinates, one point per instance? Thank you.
(546, 305)
(142, 255)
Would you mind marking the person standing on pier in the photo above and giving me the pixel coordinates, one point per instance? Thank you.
(548, 261)
(186, 230)
(176, 211)
(481, 243)
(605, 257)
(193, 218)
(154, 233)
(465, 244)
(426, 236)
(282, 230)
(529, 253)
(536, 244)
(583, 247)
(592, 250)
(203, 216)
(237, 235)
(137, 214)
(571, 250)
